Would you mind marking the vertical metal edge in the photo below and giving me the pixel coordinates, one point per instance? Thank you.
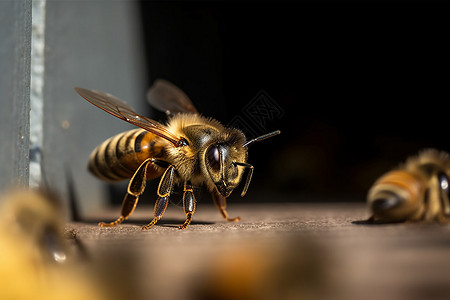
(37, 83)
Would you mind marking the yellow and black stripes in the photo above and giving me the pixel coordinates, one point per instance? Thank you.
(119, 157)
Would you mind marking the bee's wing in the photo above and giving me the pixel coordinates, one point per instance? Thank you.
(122, 110)
(167, 97)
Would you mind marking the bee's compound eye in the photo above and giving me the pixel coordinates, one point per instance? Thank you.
(183, 142)
(443, 181)
(213, 157)
(52, 245)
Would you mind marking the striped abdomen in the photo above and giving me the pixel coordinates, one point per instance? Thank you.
(118, 157)
(397, 196)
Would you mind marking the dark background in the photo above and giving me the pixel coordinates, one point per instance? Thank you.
(361, 86)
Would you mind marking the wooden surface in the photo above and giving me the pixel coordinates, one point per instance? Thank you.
(293, 251)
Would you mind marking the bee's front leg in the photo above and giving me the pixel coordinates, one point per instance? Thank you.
(164, 190)
(221, 203)
(188, 204)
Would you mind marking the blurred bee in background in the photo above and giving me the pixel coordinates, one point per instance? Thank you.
(191, 150)
(416, 191)
(35, 262)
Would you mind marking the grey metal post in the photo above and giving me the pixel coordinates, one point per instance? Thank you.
(91, 44)
(15, 39)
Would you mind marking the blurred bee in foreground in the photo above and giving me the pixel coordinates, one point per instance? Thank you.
(253, 270)
(35, 261)
(417, 191)
(190, 150)
(34, 220)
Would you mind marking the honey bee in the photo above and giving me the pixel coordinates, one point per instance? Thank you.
(190, 149)
(34, 220)
(36, 260)
(417, 191)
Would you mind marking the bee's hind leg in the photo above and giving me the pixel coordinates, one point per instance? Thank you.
(128, 205)
(221, 203)
(135, 188)
(188, 204)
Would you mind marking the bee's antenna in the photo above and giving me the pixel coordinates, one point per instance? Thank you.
(249, 176)
(262, 137)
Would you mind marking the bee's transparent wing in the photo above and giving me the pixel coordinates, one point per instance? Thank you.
(122, 110)
(167, 97)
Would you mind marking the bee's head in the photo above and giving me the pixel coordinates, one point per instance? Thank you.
(221, 162)
(226, 160)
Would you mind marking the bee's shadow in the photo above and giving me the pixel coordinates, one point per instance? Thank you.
(166, 222)
(141, 222)
(362, 222)
(369, 222)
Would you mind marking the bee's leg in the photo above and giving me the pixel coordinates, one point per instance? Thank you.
(160, 208)
(128, 205)
(164, 190)
(188, 204)
(221, 203)
(135, 188)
